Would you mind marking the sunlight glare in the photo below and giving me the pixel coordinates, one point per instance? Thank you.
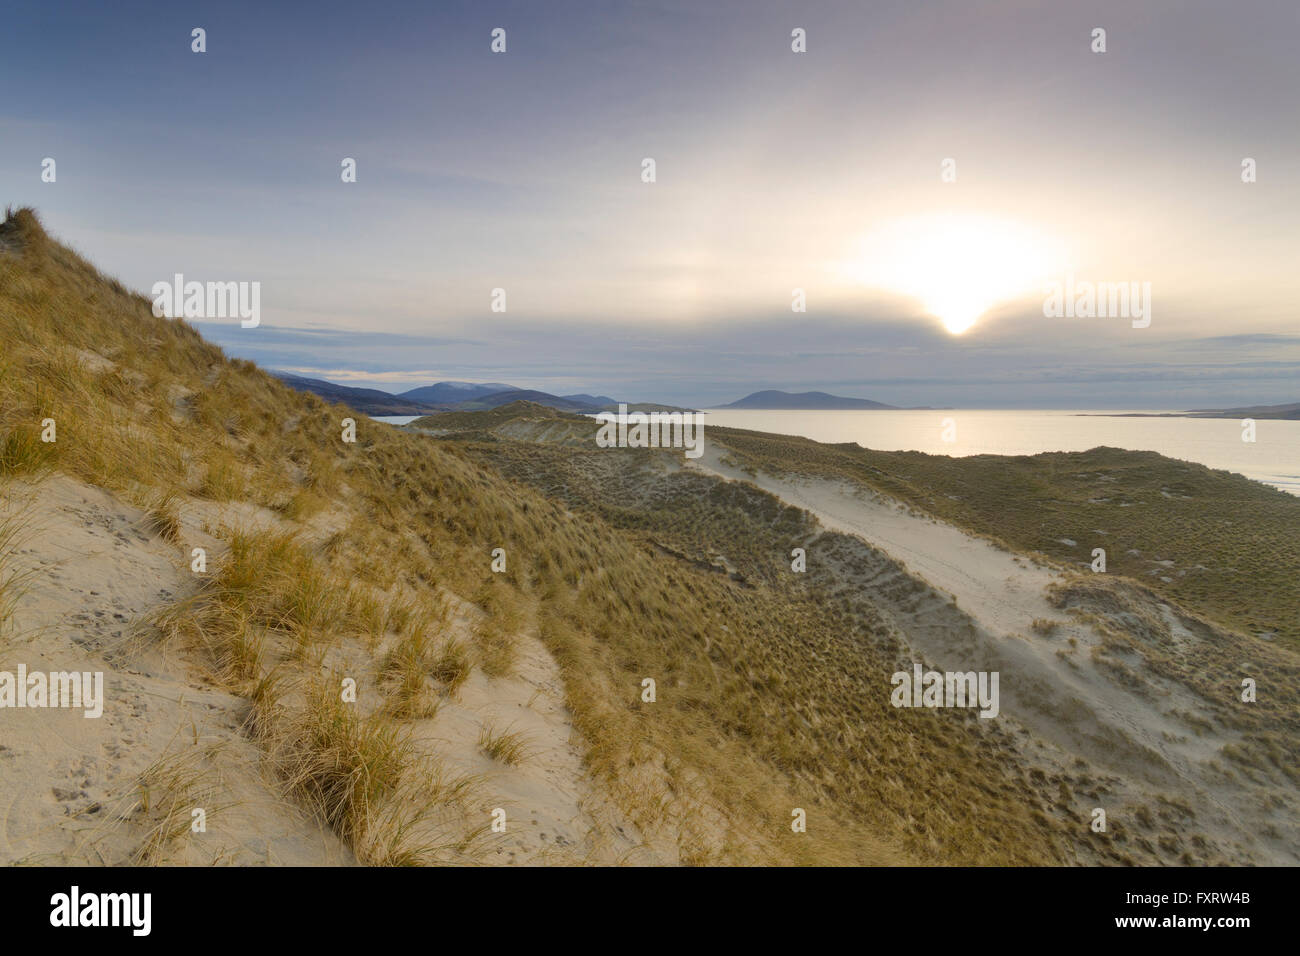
(957, 267)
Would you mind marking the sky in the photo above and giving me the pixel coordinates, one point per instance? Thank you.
(823, 171)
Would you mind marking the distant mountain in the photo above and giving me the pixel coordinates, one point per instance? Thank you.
(449, 393)
(368, 401)
(498, 399)
(773, 399)
(602, 401)
(449, 396)
(652, 407)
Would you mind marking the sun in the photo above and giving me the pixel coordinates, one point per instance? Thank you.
(957, 266)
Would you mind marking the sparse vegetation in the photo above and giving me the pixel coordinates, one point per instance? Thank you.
(163, 515)
(498, 651)
(343, 765)
(169, 790)
(452, 665)
(11, 582)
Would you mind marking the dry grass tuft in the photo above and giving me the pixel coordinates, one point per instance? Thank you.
(509, 747)
(162, 515)
(13, 583)
(170, 789)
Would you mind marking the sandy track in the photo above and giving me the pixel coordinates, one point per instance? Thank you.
(1004, 592)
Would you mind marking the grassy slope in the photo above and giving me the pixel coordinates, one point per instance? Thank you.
(798, 666)
(146, 408)
(483, 420)
(696, 520)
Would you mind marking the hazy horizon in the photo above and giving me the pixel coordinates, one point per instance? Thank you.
(398, 390)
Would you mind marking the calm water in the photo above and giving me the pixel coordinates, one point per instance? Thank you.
(1274, 458)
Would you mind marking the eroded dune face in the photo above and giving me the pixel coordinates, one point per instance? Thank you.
(288, 676)
(105, 790)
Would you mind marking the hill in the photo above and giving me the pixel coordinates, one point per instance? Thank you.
(370, 401)
(460, 421)
(597, 401)
(450, 393)
(497, 399)
(1132, 676)
(452, 396)
(1289, 412)
(773, 399)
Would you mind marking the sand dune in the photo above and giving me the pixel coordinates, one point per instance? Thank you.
(1055, 686)
(118, 789)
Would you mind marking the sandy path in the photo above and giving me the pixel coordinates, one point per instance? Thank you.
(1004, 592)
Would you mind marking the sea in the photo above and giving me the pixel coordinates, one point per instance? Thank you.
(1273, 458)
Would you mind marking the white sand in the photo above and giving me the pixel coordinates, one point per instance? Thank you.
(71, 785)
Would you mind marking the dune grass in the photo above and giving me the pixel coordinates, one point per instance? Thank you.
(507, 746)
(770, 687)
(738, 538)
(169, 790)
(13, 583)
